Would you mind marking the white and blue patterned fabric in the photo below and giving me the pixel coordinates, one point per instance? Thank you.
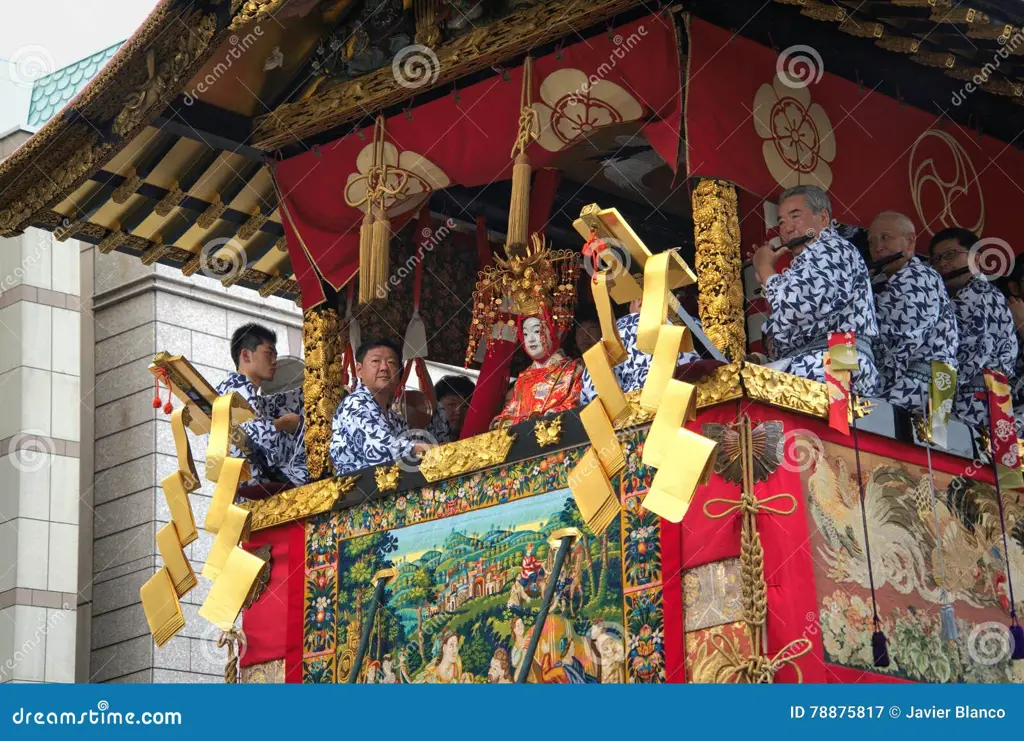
(826, 289)
(916, 325)
(987, 340)
(283, 450)
(364, 435)
(631, 373)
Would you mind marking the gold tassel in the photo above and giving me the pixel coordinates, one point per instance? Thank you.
(365, 257)
(380, 257)
(519, 206)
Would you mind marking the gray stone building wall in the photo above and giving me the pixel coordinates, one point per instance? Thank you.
(40, 354)
(137, 311)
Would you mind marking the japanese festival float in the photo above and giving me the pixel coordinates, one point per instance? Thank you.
(722, 522)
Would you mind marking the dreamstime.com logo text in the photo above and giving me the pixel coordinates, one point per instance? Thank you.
(431, 238)
(622, 47)
(101, 716)
(1006, 48)
(42, 246)
(28, 647)
(239, 46)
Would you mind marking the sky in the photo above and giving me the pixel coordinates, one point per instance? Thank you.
(41, 36)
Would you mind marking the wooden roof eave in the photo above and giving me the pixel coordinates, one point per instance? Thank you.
(146, 73)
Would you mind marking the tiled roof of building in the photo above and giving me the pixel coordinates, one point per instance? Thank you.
(51, 93)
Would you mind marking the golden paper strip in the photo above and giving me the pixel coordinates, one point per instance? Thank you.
(678, 406)
(671, 341)
(605, 383)
(610, 337)
(233, 471)
(186, 465)
(675, 483)
(228, 593)
(177, 565)
(224, 431)
(233, 530)
(602, 437)
(181, 508)
(160, 603)
(592, 491)
(655, 305)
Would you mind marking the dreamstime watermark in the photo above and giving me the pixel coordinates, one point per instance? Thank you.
(990, 643)
(28, 647)
(991, 259)
(416, 66)
(409, 443)
(611, 257)
(622, 47)
(239, 46)
(41, 248)
(800, 450)
(30, 63)
(31, 451)
(431, 238)
(799, 66)
(223, 259)
(101, 716)
(1007, 47)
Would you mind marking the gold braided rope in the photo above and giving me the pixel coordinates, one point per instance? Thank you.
(529, 118)
(754, 591)
(758, 669)
(231, 638)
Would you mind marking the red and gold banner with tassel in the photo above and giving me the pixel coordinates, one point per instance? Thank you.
(1003, 431)
(840, 361)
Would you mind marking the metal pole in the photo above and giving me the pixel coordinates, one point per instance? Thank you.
(364, 639)
(549, 594)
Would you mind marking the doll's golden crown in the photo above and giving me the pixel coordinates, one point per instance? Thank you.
(528, 284)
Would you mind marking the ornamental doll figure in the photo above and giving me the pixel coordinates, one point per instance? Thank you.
(535, 291)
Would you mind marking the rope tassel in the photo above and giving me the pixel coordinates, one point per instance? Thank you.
(529, 127)
(365, 256)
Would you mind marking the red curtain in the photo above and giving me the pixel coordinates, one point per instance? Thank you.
(632, 74)
(273, 625)
(871, 152)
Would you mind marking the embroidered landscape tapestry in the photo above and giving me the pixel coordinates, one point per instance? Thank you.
(473, 561)
(922, 557)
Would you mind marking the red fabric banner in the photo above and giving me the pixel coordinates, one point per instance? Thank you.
(466, 139)
(766, 130)
(267, 623)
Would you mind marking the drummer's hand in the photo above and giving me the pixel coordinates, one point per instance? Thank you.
(288, 422)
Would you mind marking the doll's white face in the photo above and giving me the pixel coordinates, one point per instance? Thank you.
(536, 340)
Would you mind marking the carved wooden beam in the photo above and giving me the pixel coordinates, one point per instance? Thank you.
(484, 47)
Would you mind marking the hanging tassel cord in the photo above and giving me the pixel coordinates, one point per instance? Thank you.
(864, 517)
(1002, 522)
(529, 118)
(161, 374)
(231, 638)
(935, 512)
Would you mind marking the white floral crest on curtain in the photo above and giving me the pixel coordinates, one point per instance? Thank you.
(424, 178)
(798, 142)
(574, 106)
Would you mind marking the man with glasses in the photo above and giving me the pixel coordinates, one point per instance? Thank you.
(916, 320)
(826, 289)
(276, 434)
(987, 337)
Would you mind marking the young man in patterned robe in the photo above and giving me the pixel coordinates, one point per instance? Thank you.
(276, 434)
(987, 335)
(366, 430)
(916, 321)
(826, 289)
(631, 373)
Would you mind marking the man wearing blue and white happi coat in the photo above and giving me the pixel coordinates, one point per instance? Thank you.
(631, 373)
(826, 289)
(366, 431)
(916, 320)
(276, 434)
(987, 335)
